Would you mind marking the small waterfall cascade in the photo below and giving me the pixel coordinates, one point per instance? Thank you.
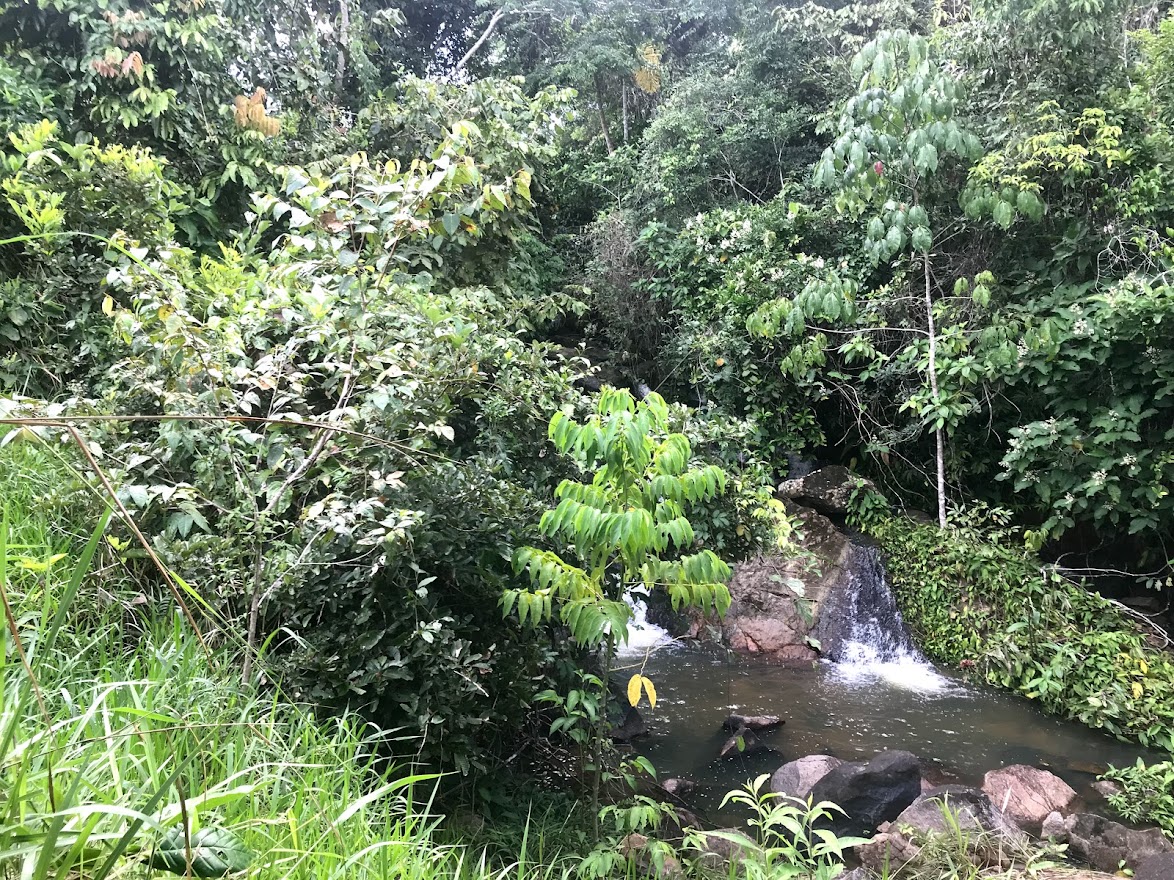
(861, 630)
(643, 636)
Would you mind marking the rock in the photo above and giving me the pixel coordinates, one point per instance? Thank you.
(632, 727)
(1159, 867)
(729, 843)
(1106, 789)
(752, 722)
(743, 742)
(1028, 795)
(972, 811)
(1105, 844)
(870, 792)
(652, 860)
(827, 490)
(887, 851)
(678, 787)
(796, 778)
(857, 874)
(767, 617)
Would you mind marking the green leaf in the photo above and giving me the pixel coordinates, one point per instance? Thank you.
(922, 239)
(214, 853)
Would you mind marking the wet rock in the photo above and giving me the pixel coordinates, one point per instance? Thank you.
(633, 726)
(1158, 867)
(870, 792)
(796, 778)
(1105, 844)
(827, 490)
(776, 599)
(752, 722)
(678, 787)
(1027, 795)
(971, 809)
(743, 742)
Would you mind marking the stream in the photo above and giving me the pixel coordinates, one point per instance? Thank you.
(881, 695)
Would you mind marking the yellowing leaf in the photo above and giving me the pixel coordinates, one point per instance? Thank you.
(1143, 666)
(721, 362)
(108, 306)
(634, 689)
(650, 689)
(1137, 690)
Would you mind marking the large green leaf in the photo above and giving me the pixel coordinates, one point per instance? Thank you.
(214, 852)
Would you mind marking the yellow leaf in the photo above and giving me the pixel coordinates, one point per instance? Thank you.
(1137, 689)
(634, 689)
(721, 362)
(650, 689)
(1143, 666)
(108, 306)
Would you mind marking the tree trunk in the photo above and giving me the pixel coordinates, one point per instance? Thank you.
(939, 434)
(625, 94)
(603, 116)
(481, 41)
(344, 38)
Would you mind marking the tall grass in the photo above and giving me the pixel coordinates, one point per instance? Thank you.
(121, 734)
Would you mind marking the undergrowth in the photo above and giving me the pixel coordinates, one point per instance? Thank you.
(130, 746)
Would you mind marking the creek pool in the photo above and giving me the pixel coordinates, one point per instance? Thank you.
(852, 710)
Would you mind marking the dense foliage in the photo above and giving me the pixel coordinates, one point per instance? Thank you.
(298, 288)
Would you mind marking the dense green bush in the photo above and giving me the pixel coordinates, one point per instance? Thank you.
(1146, 795)
(978, 603)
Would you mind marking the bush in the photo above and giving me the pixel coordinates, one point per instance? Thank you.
(983, 605)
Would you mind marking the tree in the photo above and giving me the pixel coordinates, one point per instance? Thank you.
(895, 136)
(623, 529)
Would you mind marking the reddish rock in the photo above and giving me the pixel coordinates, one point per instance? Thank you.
(1027, 795)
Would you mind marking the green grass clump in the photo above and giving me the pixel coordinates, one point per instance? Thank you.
(126, 738)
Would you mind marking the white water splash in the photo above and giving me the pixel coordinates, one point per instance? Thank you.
(862, 663)
(643, 636)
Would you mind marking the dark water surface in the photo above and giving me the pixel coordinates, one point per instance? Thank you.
(852, 711)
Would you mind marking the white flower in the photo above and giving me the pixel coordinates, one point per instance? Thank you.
(1098, 478)
(1077, 309)
(1081, 328)
(818, 262)
(1129, 460)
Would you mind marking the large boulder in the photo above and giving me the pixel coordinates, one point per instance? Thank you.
(971, 811)
(775, 600)
(744, 741)
(870, 792)
(827, 490)
(1156, 867)
(797, 778)
(1106, 844)
(1027, 795)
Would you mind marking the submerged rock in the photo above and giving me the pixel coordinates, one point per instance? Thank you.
(678, 786)
(797, 778)
(752, 722)
(870, 792)
(744, 742)
(633, 726)
(1105, 844)
(828, 490)
(1027, 795)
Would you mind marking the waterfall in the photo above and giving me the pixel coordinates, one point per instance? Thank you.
(861, 630)
(643, 636)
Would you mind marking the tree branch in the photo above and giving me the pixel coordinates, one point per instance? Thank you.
(497, 16)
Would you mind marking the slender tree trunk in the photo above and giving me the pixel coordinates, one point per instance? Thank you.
(344, 40)
(603, 116)
(600, 733)
(481, 41)
(939, 434)
(625, 95)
